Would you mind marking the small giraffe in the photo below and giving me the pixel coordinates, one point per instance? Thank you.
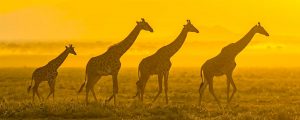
(109, 62)
(224, 64)
(49, 72)
(159, 63)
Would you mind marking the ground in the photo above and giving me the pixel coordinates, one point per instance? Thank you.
(262, 94)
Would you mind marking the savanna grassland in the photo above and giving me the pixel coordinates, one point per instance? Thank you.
(262, 94)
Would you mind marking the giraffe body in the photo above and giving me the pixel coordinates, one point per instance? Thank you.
(109, 63)
(224, 64)
(44, 74)
(154, 65)
(49, 72)
(103, 65)
(159, 63)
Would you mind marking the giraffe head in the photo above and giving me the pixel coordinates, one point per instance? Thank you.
(190, 28)
(260, 29)
(70, 49)
(144, 25)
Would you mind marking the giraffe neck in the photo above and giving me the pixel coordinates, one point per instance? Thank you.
(55, 63)
(241, 44)
(120, 48)
(170, 49)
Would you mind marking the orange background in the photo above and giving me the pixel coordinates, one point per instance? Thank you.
(36, 31)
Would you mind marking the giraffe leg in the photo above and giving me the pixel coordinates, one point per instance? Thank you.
(50, 93)
(228, 86)
(166, 77)
(92, 85)
(139, 86)
(144, 79)
(35, 90)
(201, 90)
(142, 92)
(51, 85)
(38, 94)
(234, 88)
(87, 95)
(160, 76)
(138, 90)
(91, 82)
(115, 88)
(94, 94)
(88, 88)
(211, 90)
(33, 94)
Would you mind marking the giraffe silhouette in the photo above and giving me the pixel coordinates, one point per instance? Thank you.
(109, 62)
(159, 63)
(224, 64)
(49, 72)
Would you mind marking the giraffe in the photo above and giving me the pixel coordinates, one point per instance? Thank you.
(224, 64)
(159, 63)
(49, 72)
(109, 62)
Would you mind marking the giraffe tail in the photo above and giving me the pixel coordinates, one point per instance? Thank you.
(29, 87)
(82, 84)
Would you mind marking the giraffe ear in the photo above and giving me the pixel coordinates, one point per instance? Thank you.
(66, 47)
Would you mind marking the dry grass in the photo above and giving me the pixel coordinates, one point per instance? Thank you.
(262, 94)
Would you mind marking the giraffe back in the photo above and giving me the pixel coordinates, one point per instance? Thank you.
(104, 64)
(44, 73)
(155, 64)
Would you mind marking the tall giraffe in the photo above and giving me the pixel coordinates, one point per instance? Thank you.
(109, 62)
(224, 64)
(159, 63)
(49, 72)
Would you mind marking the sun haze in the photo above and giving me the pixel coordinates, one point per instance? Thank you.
(29, 29)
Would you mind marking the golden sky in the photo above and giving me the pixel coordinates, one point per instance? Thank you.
(112, 20)
(92, 19)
